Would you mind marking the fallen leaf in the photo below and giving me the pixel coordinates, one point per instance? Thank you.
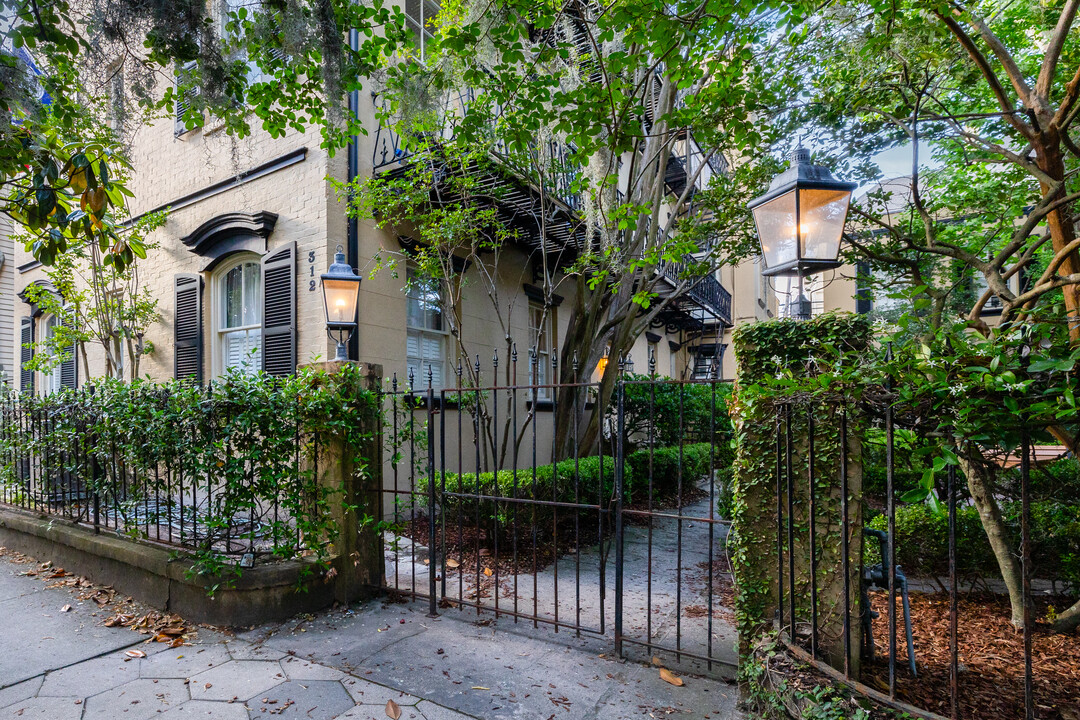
(177, 642)
(479, 687)
(173, 630)
(670, 677)
(135, 654)
(487, 571)
(657, 661)
(392, 710)
(452, 563)
(66, 608)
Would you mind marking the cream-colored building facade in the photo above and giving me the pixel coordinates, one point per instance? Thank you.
(251, 225)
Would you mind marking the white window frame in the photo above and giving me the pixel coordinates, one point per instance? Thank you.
(254, 73)
(218, 330)
(543, 340)
(428, 10)
(52, 380)
(442, 334)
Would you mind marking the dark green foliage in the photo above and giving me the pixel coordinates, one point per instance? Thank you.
(666, 413)
(922, 541)
(238, 435)
(587, 480)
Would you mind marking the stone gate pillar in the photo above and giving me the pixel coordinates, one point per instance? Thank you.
(765, 513)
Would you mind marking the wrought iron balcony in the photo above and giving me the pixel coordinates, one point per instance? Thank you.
(392, 151)
(712, 300)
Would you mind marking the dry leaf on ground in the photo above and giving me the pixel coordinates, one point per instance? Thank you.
(66, 608)
(135, 654)
(670, 677)
(392, 710)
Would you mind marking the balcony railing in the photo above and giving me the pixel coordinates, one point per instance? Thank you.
(705, 291)
(559, 175)
(393, 152)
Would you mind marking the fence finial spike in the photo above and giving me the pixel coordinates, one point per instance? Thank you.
(554, 356)
(495, 358)
(652, 361)
(412, 377)
(476, 365)
(513, 353)
(574, 363)
(393, 383)
(430, 375)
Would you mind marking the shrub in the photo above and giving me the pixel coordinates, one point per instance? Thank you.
(673, 412)
(922, 541)
(595, 480)
(595, 484)
(668, 465)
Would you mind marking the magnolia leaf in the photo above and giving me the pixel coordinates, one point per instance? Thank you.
(670, 677)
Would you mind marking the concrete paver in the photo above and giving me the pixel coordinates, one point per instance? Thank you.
(312, 699)
(136, 700)
(343, 664)
(45, 708)
(236, 680)
(205, 710)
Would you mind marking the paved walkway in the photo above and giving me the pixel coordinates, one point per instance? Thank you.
(63, 664)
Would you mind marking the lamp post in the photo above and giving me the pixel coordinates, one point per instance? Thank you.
(800, 221)
(341, 287)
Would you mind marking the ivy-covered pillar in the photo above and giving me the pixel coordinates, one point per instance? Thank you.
(351, 466)
(791, 378)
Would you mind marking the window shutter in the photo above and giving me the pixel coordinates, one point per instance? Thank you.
(69, 368)
(26, 354)
(279, 311)
(863, 302)
(187, 328)
(183, 97)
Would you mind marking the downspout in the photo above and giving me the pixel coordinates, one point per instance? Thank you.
(352, 241)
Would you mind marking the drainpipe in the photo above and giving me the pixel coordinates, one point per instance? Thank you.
(352, 241)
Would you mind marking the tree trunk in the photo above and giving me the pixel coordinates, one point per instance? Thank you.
(980, 484)
(1068, 620)
(1060, 224)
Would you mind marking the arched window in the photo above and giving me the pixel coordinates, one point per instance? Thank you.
(238, 314)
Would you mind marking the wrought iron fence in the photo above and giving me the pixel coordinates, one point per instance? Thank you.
(563, 505)
(192, 484)
(877, 653)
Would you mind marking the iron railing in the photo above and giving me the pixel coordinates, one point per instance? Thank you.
(61, 456)
(837, 637)
(705, 290)
(620, 539)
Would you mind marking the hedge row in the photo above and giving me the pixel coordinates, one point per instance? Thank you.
(922, 541)
(588, 480)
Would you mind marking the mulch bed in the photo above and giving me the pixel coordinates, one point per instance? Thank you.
(991, 656)
(468, 545)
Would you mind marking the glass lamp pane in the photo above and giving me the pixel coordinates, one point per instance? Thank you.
(775, 222)
(822, 214)
(340, 298)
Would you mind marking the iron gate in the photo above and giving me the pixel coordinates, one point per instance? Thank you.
(621, 538)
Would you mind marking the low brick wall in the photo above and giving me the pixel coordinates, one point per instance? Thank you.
(147, 572)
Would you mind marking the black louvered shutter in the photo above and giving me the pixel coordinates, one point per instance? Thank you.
(863, 301)
(69, 372)
(187, 328)
(279, 311)
(26, 354)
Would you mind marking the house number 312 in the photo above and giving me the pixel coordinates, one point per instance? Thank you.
(311, 270)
